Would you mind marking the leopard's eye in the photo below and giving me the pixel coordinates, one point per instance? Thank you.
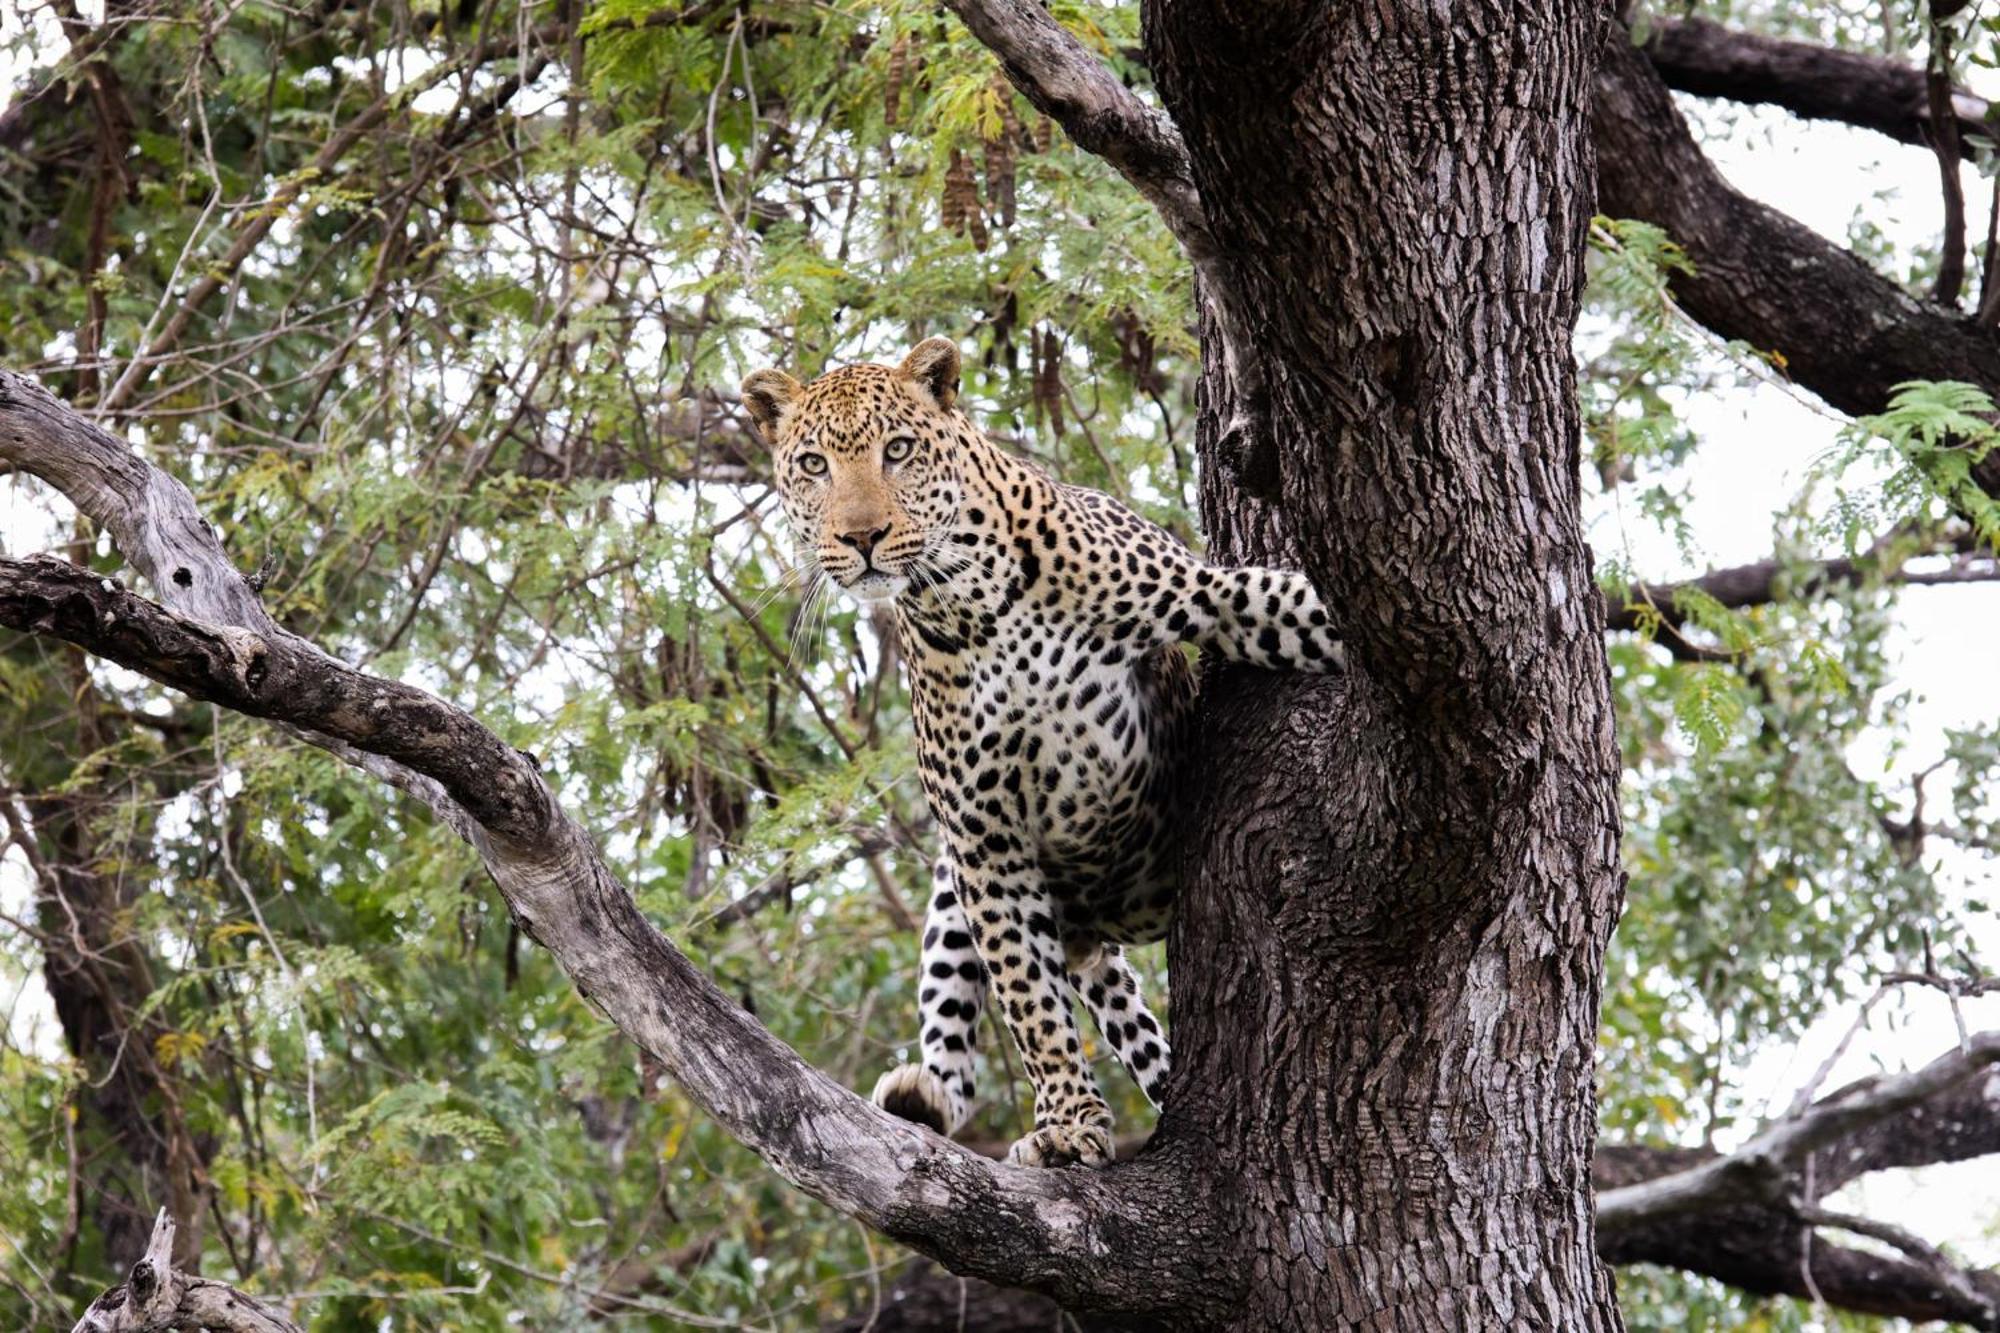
(896, 450)
(813, 465)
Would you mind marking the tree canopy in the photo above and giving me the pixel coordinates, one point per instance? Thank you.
(437, 312)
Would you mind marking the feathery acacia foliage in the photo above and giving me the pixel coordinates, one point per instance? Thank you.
(436, 310)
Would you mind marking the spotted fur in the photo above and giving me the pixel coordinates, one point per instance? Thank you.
(1039, 622)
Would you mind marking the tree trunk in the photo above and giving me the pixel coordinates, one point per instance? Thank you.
(1386, 964)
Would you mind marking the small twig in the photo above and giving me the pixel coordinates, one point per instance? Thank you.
(1988, 312)
(1804, 1098)
(1806, 1246)
(1944, 141)
(1970, 987)
(1920, 1251)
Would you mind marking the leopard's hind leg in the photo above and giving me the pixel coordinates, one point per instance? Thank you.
(1104, 980)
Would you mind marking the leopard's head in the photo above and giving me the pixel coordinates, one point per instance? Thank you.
(868, 461)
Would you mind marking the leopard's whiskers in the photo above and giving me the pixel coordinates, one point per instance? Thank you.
(786, 582)
(802, 621)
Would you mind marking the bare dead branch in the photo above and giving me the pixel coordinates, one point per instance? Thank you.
(1039, 1229)
(156, 1297)
(1765, 581)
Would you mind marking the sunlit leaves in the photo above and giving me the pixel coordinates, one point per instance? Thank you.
(1926, 445)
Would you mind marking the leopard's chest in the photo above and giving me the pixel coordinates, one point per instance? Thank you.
(1054, 734)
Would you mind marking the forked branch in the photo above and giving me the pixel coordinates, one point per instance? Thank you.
(1837, 327)
(1047, 1230)
(1768, 1168)
(1753, 1218)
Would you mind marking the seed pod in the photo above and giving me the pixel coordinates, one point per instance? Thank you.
(1048, 385)
(1034, 377)
(1010, 123)
(960, 210)
(1003, 322)
(892, 81)
(1136, 351)
(1001, 161)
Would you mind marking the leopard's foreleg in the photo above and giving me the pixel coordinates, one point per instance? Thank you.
(1013, 926)
(937, 1089)
(1270, 618)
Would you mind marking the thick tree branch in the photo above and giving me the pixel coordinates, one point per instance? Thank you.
(1765, 581)
(1695, 55)
(1765, 1251)
(1748, 1218)
(1842, 330)
(1762, 1248)
(1766, 1170)
(1045, 1230)
(1758, 1251)
(156, 1297)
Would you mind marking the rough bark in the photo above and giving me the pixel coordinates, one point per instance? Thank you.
(157, 1296)
(1840, 329)
(1386, 962)
(1699, 56)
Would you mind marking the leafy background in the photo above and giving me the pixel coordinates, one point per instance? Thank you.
(467, 407)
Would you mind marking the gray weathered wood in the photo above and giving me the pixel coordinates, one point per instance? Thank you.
(1767, 1168)
(210, 638)
(156, 1297)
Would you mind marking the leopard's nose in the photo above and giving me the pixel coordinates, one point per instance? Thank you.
(862, 539)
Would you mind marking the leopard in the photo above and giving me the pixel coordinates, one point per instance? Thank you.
(1040, 627)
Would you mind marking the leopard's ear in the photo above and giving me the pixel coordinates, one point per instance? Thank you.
(768, 395)
(933, 363)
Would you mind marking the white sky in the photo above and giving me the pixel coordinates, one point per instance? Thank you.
(1757, 448)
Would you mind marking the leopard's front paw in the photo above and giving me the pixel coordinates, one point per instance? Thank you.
(915, 1094)
(1063, 1145)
